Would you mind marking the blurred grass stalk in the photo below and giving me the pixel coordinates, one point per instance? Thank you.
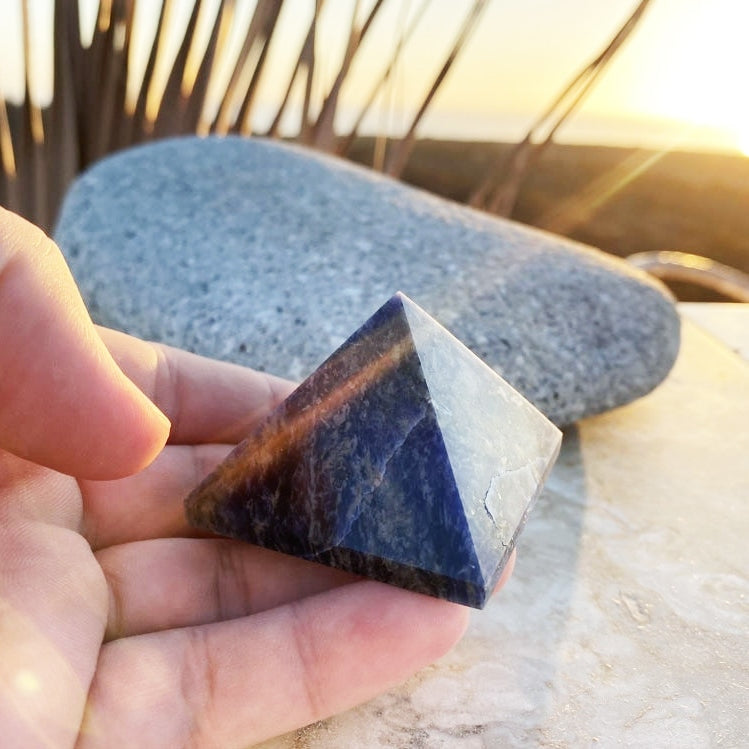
(128, 71)
(104, 98)
(499, 189)
(114, 86)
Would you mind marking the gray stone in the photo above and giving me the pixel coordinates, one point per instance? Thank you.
(269, 255)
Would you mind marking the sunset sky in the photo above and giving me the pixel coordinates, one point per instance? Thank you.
(680, 81)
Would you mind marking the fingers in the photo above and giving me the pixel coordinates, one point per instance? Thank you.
(206, 400)
(63, 401)
(149, 504)
(238, 682)
(169, 583)
(179, 582)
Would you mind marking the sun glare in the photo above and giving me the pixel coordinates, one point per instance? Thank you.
(742, 141)
(702, 90)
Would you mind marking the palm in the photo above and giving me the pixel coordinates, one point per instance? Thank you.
(102, 580)
(54, 599)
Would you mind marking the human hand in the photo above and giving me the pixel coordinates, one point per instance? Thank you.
(119, 625)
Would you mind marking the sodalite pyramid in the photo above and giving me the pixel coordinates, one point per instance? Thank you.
(403, 458)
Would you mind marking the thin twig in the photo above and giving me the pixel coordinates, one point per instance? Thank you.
(398, 157)
(323, 136)
(509, 173)
(244, 116)
(345, 143)
(305, 61)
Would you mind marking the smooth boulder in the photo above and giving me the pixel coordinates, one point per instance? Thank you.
(270, 255)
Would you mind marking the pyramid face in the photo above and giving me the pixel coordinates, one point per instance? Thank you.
(403, 458)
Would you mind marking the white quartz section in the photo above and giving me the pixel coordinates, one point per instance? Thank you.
(501, 447)
(627, 620)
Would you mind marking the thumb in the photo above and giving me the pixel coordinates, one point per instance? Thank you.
(64, 403)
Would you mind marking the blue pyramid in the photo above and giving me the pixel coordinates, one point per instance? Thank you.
(403, 458)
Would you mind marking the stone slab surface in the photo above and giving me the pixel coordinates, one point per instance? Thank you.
(626, 621)
(728, 322)
(269, 255)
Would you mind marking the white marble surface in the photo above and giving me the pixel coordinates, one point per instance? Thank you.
(627, 620)
(727, 322)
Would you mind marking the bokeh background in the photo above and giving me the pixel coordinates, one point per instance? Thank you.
(623, 124)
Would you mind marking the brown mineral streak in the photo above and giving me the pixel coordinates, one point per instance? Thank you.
(273, 437)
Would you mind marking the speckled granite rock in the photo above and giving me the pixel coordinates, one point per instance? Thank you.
(403, 458)
(268, 255)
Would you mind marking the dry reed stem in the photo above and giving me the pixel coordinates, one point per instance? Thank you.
(396, 161)
(41, 150)
(244, 117)
(499, 189)
(344, 145)
(172, 112)
(323, 135)
(305, 61)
